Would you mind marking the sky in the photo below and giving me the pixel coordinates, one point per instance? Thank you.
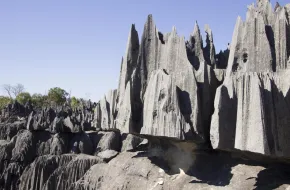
(78, 44)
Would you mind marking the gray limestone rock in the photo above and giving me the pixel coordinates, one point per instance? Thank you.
(109, 141)
(97, 117)
(130, 142)
(252, 105)
(111, 97)
(105, 114)
(81, 143)
(167, 52)
(162, 115)
(37, 173)
(129, 63)
(252, 114)
(219, 75)
(9, 130)
(107, 155)
(168, 87)
(24, 149)
(139, 170)
(41, 120)
(13, 111)
(120, 173)
(10, 175)
(209, 50)
(72, 125)
(57, 125)
(59, 143)
(260, 43)
(64, 176)
(194, 48)
(203, 61)
(123, 120)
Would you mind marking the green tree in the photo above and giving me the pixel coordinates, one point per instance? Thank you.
(39, 100)
(74, 102)
(57, 95)
(23, 97)
(4, 101)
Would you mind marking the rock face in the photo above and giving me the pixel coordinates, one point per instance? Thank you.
(162, 115)
(203, 61)
(167, 52)
(129, 63)
(42, 120)
(105, 111)
(124, 117)
(252, 105)
(183, 105)
(253, 99)
(260, 43)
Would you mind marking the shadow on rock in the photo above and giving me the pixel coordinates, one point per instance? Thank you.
(273, 177)
(215, 168)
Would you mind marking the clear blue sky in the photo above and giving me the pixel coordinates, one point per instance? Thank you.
(78, 44)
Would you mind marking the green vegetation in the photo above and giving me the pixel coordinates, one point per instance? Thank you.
(23, 97)
(4, 101)
(57, 95)
(39, 100)
(74, 102)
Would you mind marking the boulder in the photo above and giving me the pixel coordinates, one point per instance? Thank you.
(60, 143)
(81, 143)
(109, 141)
(72, 125)
(130, 142)
(107, 155)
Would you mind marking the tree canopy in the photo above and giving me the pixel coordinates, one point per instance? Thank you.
(4, 101)
(57, 95)
(74, 102)
(39, 100)
(23, 97)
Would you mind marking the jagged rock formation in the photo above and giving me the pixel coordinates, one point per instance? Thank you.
(177, 105)
(171, 57)
(124, 117)
(260, 43)
(161, 108)
(168, 52)
(209, 50)
(252, 105)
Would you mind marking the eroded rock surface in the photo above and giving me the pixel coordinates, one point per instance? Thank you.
(252, 104)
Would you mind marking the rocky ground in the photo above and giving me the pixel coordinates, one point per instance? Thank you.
(36, 158)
